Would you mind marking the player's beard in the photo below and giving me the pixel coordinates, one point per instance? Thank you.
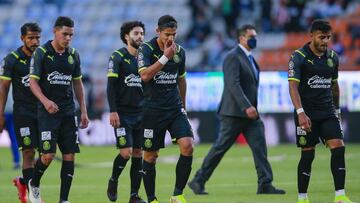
(31, 48)
(135, 44)
(320, 47)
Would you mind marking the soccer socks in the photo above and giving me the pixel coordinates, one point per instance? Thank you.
(304, 170)
(118, 166)
(183, 169)
(38, 172)
(135, 174)
(27, 175)
(67, 172)
(338, 167)
(149, 179)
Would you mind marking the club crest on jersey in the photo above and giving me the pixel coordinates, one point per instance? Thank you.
(148, 143)
(302, 140)
(122, 140)
(176, 58)
(27, 141)
(46, 145)
(330, 63)
(71, 60)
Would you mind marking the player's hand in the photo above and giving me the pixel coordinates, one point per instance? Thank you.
(170, 49)
(114, 119)
(304, 122)
(252, 113)
(51, 106)
(84, 121)
(2, 122)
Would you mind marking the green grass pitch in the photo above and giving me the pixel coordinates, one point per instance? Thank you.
(234, 181)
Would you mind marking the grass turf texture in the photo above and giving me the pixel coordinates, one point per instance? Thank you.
(234, 181)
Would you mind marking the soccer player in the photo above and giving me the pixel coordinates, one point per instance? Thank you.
(161, 64)
(314, 91)
(54, 75)
(14, 70)
(125, 97)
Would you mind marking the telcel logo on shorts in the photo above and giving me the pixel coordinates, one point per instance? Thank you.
(148, 133)
(46, 135)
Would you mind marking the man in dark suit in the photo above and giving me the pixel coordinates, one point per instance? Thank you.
(238, 114)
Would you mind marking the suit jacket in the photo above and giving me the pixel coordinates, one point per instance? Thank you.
(240, 84)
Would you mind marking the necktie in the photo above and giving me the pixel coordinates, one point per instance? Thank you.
(251, 59)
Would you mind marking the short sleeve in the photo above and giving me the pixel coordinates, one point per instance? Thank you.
(77, 70)
(144, 56)
(182, 70)
(335, 74)
(36, 65)
(6, 68)
(114, 65)
(294, 66)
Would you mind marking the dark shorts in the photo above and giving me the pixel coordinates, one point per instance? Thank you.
(130, 132)
(60, 130)
(321, 130)
(26, 130)
(155, 124)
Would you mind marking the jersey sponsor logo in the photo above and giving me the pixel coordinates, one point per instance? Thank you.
(2, 65)
(140, 56)
(302, 140)
(300, 131)
(141, 63)
(26, 80)
(56, 78)
(111, 66)
(165, 78)
(291, 65)
(46, 135)
(291, 73)
(148, 133)
(120, 132)
(319, 82)
(132, 80)
(24, 131)
(122, 141)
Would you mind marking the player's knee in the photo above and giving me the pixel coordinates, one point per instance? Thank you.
(46, 159)
(28, 154)
(126, 153)
(187, 149)
(151, 157)
(335, 143)
(137, 153)
(308, 155)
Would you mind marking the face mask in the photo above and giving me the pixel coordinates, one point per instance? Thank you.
(252, 43)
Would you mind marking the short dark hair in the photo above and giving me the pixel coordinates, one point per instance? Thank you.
(127, 27)
(64, 21)
(29, 27)
(243, 29)
(320, 25)
(167, 21)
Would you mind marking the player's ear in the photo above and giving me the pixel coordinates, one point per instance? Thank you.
(157, 30)
(127, 37)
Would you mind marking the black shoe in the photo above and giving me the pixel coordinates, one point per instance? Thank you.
(197, 188)
(136, 199)
(269, 189)
(112, 190)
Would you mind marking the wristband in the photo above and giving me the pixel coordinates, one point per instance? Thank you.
(163, 60)
(299, 111)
